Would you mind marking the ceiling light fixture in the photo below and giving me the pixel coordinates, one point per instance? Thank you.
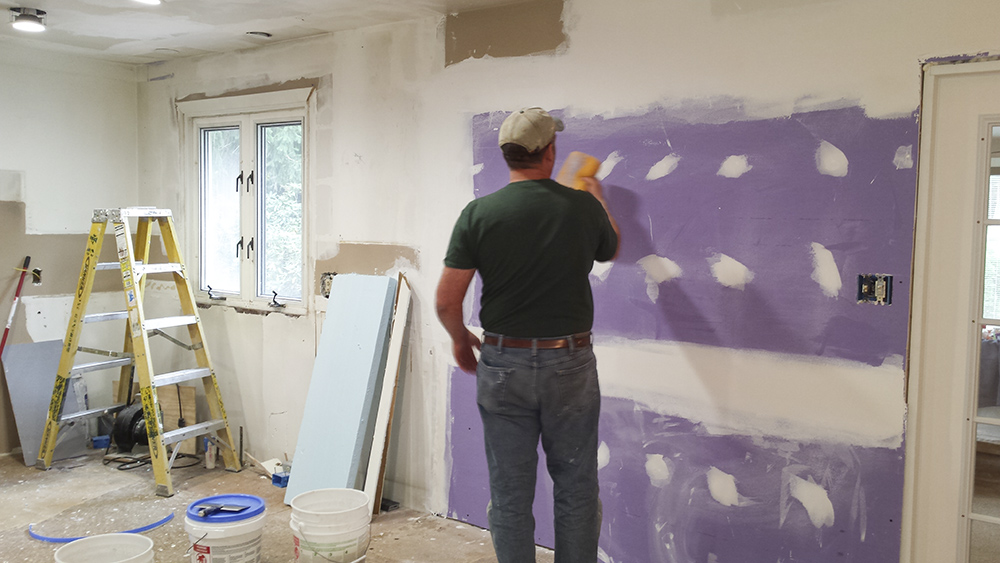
(263, 34)
(150, 2)
(27, 19)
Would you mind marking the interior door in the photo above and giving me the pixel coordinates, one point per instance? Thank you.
(961, 108)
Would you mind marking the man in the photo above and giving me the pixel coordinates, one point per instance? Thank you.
(533, 243)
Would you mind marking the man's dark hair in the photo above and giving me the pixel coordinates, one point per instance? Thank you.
(518, 157)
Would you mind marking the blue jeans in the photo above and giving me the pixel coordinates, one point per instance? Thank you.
(523, 394)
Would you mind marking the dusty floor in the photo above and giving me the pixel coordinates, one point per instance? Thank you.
(83, 496)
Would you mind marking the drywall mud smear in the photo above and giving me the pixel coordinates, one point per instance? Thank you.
(514, 30)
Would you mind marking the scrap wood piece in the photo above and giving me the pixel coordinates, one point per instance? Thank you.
(386, 406)
(337, 422)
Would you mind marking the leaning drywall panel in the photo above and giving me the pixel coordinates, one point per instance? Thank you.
(345, 384)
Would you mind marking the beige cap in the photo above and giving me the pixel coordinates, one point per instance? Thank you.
(532, 128)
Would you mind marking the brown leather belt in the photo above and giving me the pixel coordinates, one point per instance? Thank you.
(581, 340)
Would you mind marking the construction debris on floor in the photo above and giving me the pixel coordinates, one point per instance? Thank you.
(85, 497)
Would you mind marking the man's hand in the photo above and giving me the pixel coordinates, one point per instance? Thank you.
(462, 349)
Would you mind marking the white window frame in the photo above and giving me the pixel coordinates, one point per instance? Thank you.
(249, 111)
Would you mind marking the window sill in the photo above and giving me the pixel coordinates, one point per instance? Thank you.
(293, 309)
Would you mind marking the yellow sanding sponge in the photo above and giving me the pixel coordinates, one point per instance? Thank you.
(578, 165)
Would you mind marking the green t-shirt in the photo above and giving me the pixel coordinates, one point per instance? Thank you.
(534, 244)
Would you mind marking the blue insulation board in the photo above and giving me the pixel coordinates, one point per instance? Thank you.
(345, 385)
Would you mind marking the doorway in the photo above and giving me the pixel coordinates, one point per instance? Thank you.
(952, 490)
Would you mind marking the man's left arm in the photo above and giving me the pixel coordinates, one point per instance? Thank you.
(450, 296)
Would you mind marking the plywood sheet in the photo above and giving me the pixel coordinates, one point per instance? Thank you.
(336, 433)
(30, 370)
(383, 420)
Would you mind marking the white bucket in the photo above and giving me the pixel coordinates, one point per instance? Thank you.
(107, 548)
(331, 525)
(340, 547)
(333, 510)
(222, 538)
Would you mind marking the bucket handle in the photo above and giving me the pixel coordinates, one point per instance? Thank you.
(295, 528)
(190, 547)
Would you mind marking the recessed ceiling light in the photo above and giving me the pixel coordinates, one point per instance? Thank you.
(150, 2)
(263, 34)
(27, 19)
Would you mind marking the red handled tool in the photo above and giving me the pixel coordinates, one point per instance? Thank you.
(17, 294)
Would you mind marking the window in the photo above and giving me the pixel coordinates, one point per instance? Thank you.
(249, 175)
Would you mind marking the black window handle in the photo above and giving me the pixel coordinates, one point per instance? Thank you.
(249, 247)
(239, 180)
(239, 247)
(249, 181)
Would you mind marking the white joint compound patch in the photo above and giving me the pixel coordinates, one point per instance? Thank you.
(603, 455)
(600, 270)
(830, 160)
(608, 165)
(658, 270)
(722, 486)
(659, 470)
(904, 157)
(814, 498)
(665, 166)
(729, 272)
(825, 271)
(477, 168)
(734, 166)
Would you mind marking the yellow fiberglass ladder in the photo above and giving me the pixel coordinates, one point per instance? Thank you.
(135, 360)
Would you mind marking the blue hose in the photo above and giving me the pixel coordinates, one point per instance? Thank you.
(67, 540)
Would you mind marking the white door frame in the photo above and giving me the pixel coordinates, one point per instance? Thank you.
(942, 352)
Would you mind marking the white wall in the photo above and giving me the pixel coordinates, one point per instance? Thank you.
(68, 130)
(393, 160)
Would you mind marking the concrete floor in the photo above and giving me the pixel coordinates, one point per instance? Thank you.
(82, 496)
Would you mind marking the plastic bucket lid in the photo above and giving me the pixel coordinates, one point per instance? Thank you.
(254, 506)
(325, 506)
(107, 548)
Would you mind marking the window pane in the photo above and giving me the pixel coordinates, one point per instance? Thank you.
(220, 209)
(280, 161)
(994, 188)
(991, 278)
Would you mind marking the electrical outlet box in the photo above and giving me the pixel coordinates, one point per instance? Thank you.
(875, 288)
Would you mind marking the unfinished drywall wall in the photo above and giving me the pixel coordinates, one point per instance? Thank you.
(393, 136)
(67, 145)
(741, 243)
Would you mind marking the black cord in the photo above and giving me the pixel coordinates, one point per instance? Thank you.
(127, 463)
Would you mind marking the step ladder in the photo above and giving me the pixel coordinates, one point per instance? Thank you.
(134, 360)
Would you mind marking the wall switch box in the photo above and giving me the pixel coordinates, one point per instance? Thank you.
(875, 288)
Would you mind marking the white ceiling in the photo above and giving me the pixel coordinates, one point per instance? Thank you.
(130, 32)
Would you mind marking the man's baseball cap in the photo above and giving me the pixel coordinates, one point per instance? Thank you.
(531, 128)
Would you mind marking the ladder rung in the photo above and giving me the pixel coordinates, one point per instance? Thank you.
(180, 376)
(101, 317)
(90, 413)
(160, 268)
(97, 366)
(108, 266)
(167, 322)
(182, 434)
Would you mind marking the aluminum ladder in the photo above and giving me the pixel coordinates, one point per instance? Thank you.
(134, 360)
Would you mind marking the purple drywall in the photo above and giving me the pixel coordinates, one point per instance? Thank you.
(767, 219)
(681, 522)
